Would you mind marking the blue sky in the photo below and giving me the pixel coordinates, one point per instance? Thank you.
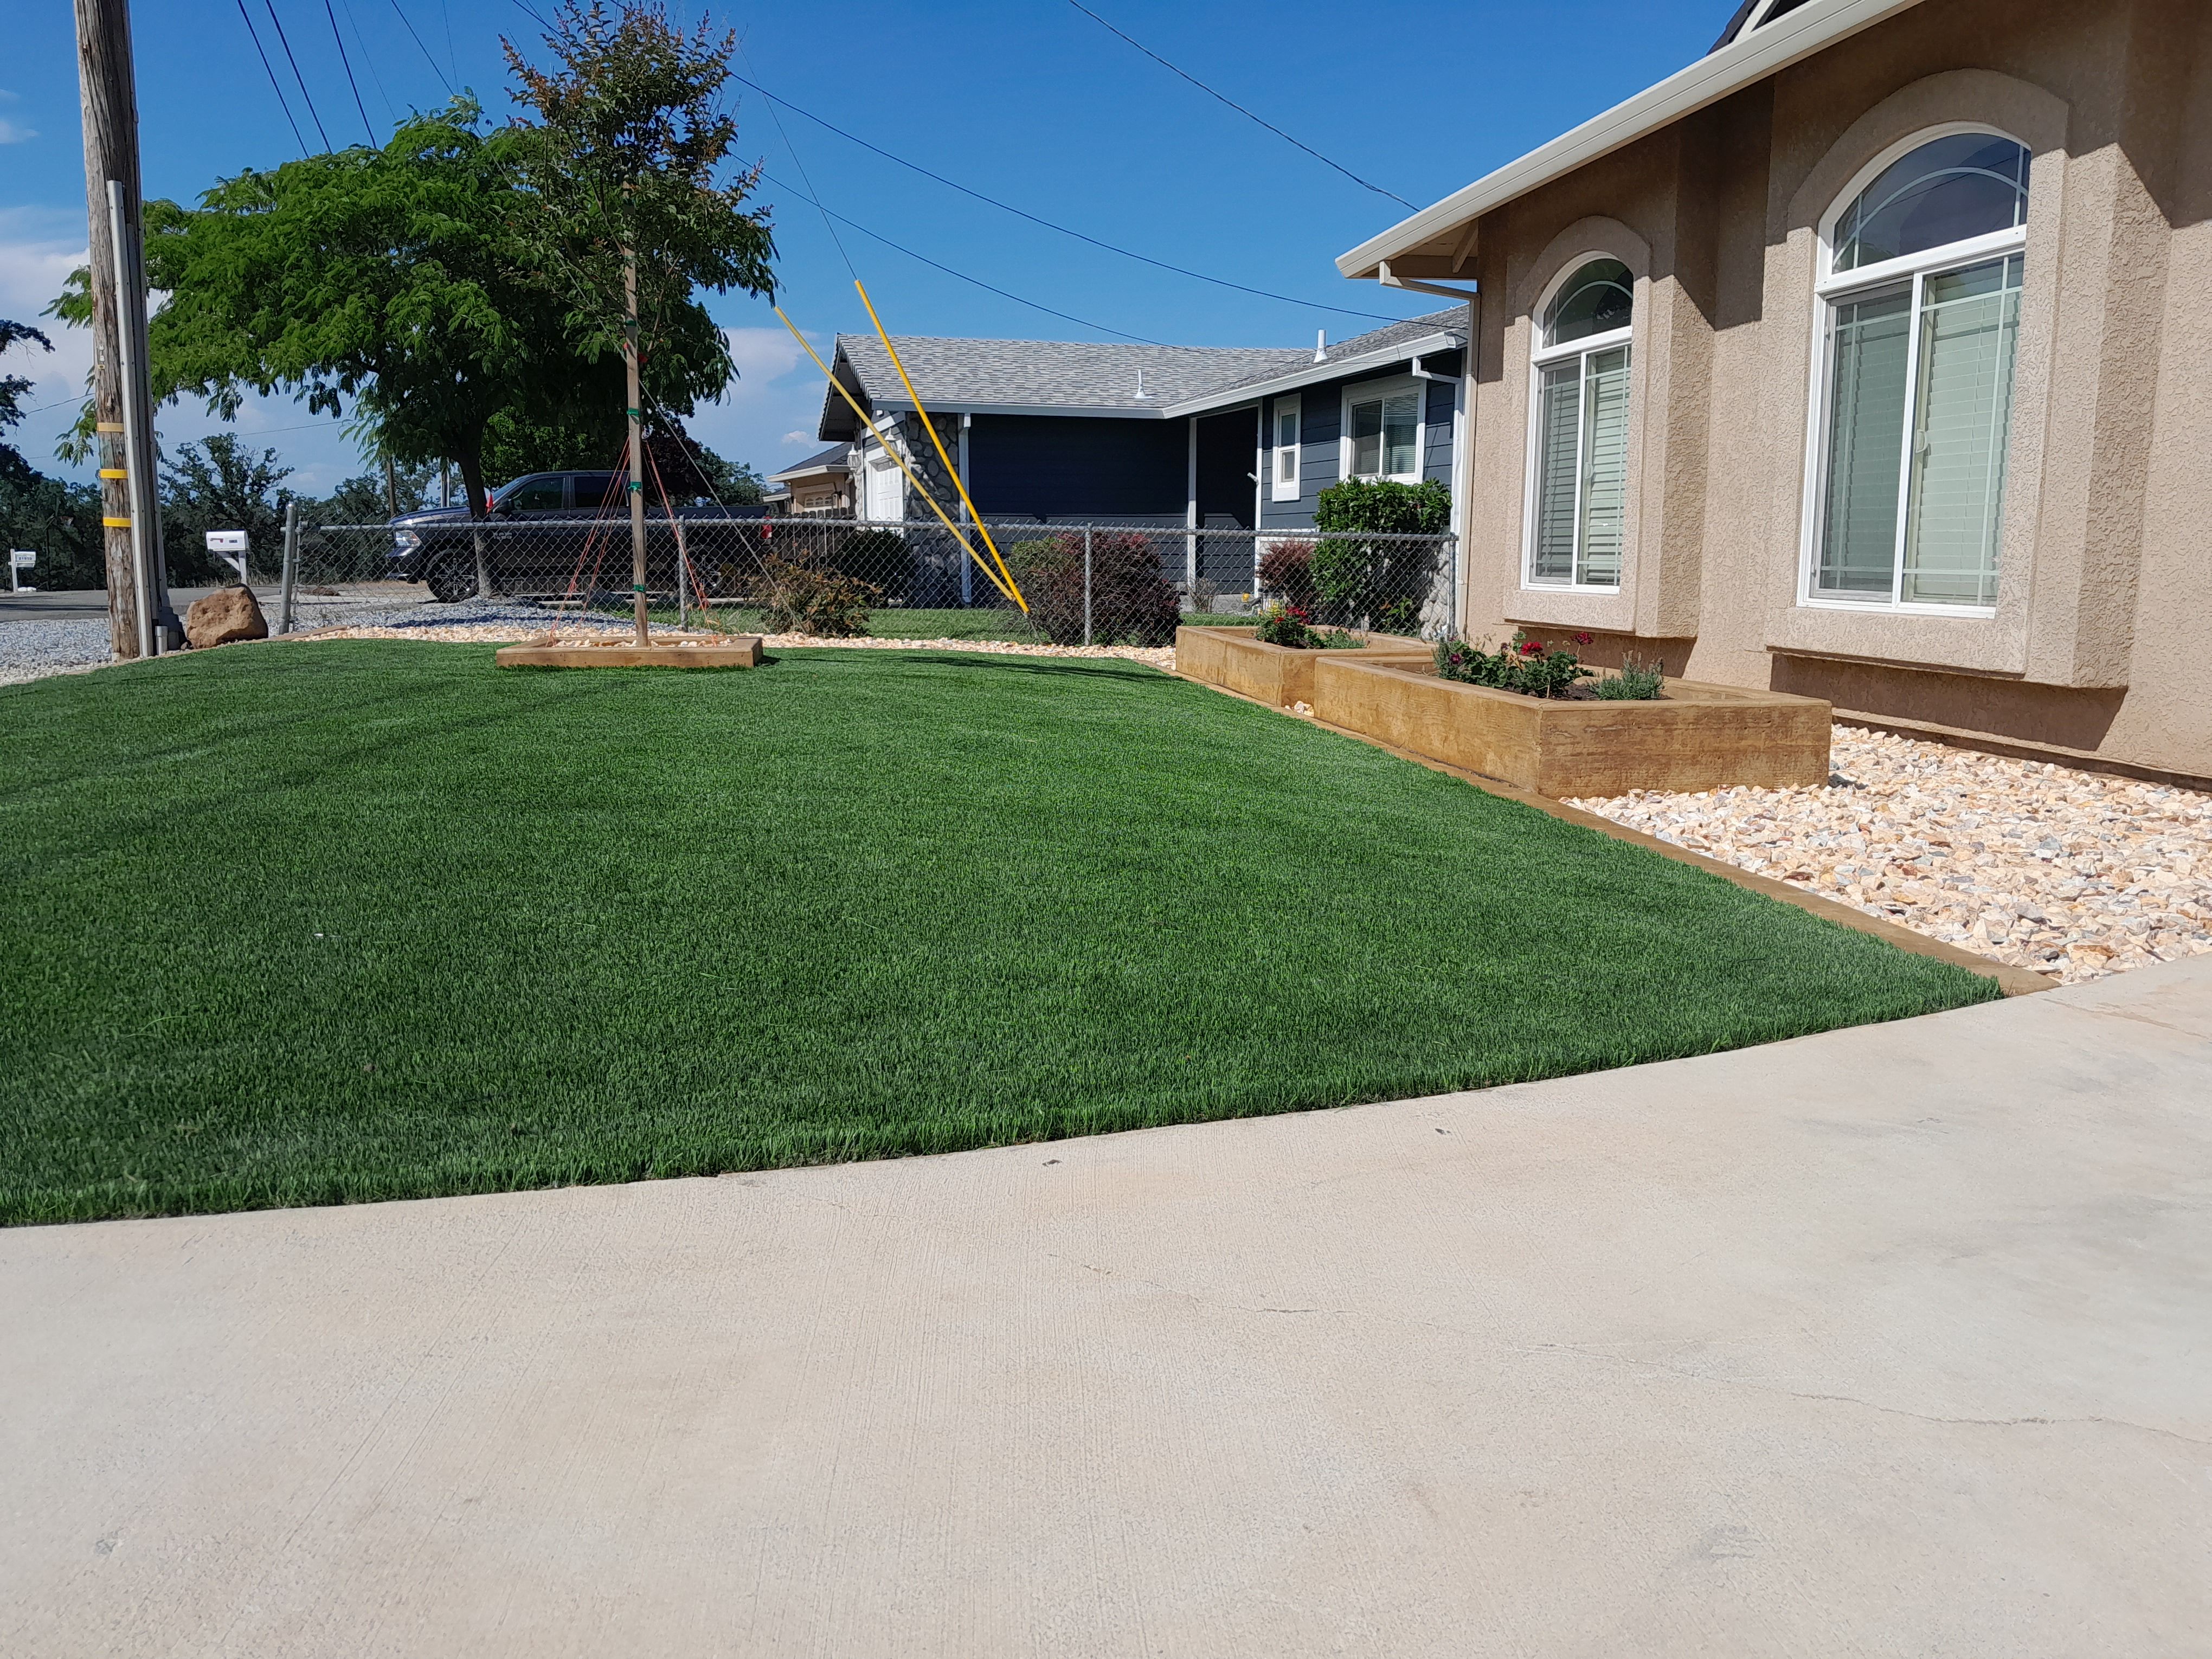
(1033, 103)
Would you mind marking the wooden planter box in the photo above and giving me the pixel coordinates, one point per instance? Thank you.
(1277, 675)
(1694, 737)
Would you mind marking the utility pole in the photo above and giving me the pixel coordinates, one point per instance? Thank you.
(636, 443)
(137, 593)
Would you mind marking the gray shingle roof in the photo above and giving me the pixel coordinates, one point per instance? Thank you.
(833, 456)
(957, 374)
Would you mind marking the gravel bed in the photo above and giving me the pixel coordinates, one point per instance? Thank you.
(32, 649)
(2071, 873)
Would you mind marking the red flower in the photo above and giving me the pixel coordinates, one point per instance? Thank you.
(1581, 639)
(1532, 647)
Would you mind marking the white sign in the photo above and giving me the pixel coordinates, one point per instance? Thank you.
(24, 558)
(226, 541)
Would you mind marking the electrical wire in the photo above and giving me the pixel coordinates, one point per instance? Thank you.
(792, 149)
(1066, 317)
(1238, 108)
(275, 86)
(348, 62)
(306, 97)
(1035, 219)
(375, 76)
(419, 46)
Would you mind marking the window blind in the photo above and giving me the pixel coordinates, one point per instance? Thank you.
(1969, 321)
(1559, 430)
(1871, 346)
(1604, 466)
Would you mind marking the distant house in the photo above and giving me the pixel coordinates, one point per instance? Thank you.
(1198, 436)
(822, 483)
(1870, 356)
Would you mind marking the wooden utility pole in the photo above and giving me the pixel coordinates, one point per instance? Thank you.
(137, 596)
(636, 441)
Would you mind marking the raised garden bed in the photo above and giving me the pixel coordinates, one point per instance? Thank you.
(1277, 675)
(1693, 737)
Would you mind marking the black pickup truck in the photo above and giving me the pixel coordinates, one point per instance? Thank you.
(549, 531)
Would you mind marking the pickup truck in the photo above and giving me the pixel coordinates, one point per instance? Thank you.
(546, 530)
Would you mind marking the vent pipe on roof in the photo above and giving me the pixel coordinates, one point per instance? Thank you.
(1141, 392)
(1320, 345)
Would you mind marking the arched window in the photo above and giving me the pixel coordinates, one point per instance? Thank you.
(1920, 302)
(1579, 505)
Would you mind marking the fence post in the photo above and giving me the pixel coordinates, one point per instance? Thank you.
(291, 568)
(1086, 583)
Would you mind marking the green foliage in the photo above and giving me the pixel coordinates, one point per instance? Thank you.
(1132, 602)
(1384, 509)
(624, 160)
(1286, 625)
(802, 597)
(982, 900)
(1377, 583)
(365, 499)
(1287, 569)
(219, 484)
(881, 557)
(1639, 681)
(13, 468)
(59, 521)
(1524, 665)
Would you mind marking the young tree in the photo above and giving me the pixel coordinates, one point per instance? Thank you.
(624, 163)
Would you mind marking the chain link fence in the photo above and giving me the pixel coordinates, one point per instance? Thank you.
(1082, 582)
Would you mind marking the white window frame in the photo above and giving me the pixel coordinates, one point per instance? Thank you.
(1367, 392)
(1831, 286)
(1542, 357)
(1290, 411)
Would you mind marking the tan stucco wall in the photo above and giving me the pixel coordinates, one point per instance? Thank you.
(2102, 639)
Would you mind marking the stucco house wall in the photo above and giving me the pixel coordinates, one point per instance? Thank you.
(2102, 637)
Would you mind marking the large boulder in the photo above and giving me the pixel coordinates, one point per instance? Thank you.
(228, 614)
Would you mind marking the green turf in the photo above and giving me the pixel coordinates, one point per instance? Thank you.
(294, 924)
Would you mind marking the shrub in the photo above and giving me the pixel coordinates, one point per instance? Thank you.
(1286, 568)
(1132, 602)
(1380, 583)
(881, 557)
(1639, 681)
(801, 597)
(1523, 665)
(1285, 624)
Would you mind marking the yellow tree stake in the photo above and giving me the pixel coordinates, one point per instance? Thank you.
(974, 517)
(920, 489)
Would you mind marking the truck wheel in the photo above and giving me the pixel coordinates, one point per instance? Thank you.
(452, 580)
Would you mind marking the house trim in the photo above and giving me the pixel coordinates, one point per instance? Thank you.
(1752, 56)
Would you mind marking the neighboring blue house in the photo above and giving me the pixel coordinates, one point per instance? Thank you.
(1157, 436)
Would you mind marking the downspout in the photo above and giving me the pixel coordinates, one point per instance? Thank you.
(1462, 418)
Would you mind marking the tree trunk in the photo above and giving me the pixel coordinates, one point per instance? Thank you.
(471, 461)
(636, 443)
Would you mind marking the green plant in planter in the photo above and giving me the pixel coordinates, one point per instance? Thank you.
(1290, 625)
(1524, 665)
(1639, 681)
(1380, 584)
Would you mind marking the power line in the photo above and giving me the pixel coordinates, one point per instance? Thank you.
(1238, 108)
(419, 46)
(306, 97)
(348, 62)
(1065, 317)
(375, 74)
(277, 86)
(1035, 219)
(812, 194)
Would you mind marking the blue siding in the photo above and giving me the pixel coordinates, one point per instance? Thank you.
(1077, 467)
(1321, 429)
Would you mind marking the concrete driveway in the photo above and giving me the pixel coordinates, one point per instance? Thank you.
(1896, 1340)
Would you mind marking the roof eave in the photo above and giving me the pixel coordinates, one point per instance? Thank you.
(1750, 59)
(1336, 368)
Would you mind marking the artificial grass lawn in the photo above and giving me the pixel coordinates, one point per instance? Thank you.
(296, 924)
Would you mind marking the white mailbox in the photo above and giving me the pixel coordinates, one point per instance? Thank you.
(20, 560)
(230, 545)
